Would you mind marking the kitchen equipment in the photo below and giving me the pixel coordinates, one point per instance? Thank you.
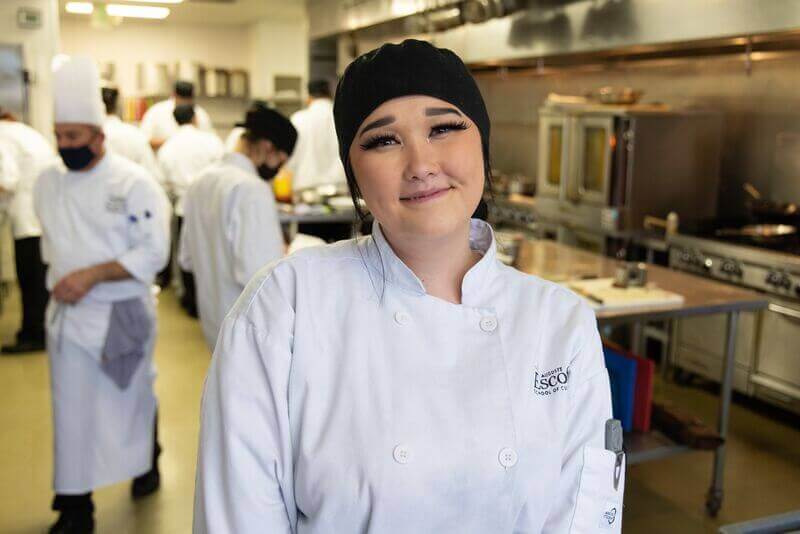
(631, 274)
(759, 232)
(767, 363)
(13, 87)
(602, 293)
(603, 169)
(239, 84)
(616, 95)
(763, 208)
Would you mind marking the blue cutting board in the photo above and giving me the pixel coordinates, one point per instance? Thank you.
(622, 374)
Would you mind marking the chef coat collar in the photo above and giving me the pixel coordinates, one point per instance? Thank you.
(383, 261)
(237, 159)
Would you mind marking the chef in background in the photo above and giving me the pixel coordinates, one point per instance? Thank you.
(182, 157)
(236, 132)
(126, 139)
(316, 161)
(158, 122)
(231, 227)
(104, 237)
(29, 153)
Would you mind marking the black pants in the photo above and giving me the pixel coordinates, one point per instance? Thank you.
(189, 297)
(31, 278)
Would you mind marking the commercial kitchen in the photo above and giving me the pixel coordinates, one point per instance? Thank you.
(644, 156)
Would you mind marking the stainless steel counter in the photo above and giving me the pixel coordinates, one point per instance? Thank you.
(702, 296)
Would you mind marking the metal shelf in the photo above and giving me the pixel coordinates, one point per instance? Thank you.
(649, 446)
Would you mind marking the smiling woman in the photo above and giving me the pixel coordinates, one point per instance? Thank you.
(338, 404)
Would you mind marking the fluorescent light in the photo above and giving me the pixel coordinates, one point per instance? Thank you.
(79, 8)
(140, 12)
(156, 1)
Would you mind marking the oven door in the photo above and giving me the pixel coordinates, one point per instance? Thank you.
(553, 155)
(594, 143)
(777, 374)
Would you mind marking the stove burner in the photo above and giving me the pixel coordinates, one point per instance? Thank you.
(778, 237)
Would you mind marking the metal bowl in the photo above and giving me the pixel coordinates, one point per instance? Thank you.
(617, 95)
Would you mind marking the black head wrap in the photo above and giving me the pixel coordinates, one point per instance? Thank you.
(183, 113)
(184, 89)
(410, 68)
(265, 123)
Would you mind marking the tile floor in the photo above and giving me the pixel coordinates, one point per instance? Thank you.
(762, 478)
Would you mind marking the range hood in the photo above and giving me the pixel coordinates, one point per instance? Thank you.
(541, 29)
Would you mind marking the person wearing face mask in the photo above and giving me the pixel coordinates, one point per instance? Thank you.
(231, 227)
(182, 157)
(158, 122)
(408, 381)
(104, 237)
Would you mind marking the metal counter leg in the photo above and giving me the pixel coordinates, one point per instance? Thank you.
(715, 493)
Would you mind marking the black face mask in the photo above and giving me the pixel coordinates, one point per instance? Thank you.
(267, 172)
(76, 158)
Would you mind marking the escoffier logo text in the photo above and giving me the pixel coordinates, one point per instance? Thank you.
(550, 382)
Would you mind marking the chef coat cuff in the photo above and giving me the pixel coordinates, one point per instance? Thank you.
(140, 264)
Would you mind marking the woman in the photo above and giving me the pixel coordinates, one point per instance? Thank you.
(407, 381)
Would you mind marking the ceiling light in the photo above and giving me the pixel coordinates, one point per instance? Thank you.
(79, 8)
(133, 11)
(156, 1)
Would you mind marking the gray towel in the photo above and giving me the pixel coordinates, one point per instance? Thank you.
(128, 331)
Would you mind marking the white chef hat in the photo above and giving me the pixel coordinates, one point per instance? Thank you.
(76, 84)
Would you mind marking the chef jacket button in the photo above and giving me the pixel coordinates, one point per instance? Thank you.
(488, 323)
(401, 454)
(508, 457)
(402, 317)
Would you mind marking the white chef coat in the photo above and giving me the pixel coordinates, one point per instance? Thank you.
(343, 398)
(158, 123)
(32, 154)
(184, 155)
(315, 160)
(230, 230)
(114, 211)
(128, 141)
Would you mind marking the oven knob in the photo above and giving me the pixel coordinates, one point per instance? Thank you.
(731, 268)
(785, 282)
(706, 264)
(771, 278)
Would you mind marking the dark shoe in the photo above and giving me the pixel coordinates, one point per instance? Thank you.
(73, 522)
(21, 347)
(146, 484)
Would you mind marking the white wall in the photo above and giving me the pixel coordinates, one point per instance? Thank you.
(39, 47)
(135, 42)
(279, 46)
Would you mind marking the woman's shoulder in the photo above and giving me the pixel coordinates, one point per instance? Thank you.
(276, 286)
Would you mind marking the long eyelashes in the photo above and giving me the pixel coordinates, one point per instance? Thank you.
(378, 140)
(389, 139)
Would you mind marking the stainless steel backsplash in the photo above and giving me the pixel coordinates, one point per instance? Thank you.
(761, 112)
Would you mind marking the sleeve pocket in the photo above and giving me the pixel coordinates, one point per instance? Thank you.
(599, 505)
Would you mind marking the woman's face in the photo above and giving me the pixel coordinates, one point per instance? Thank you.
(419, 165)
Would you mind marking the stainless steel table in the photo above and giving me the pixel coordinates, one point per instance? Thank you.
(289, 217)
(561, 263)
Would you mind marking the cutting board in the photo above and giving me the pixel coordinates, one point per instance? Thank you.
(602, 295)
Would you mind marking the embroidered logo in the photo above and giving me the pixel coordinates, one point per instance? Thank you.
(550, 382)
(609, 518)
(116, 204)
